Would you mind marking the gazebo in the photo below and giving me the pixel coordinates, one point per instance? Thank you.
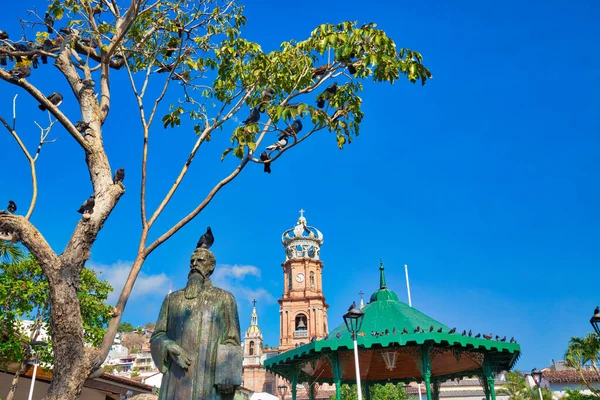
(396, 343)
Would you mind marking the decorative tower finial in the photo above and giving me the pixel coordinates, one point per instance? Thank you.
(253, 319)
(382, 284)
(362, 304)
(302, 241)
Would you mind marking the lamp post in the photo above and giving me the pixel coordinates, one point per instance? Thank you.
(282, 391)
(354, 319)
(536, 374)
(595, 320)
(32, 345)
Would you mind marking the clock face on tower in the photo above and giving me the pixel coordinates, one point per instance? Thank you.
(300, 278)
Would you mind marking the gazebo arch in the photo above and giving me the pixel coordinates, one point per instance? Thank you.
(397, 343)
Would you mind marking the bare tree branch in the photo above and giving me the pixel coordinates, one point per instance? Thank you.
(32, 160)
(36, 94)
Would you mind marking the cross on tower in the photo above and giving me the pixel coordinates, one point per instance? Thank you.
(361, 294)
(301, 213)
(254, 302)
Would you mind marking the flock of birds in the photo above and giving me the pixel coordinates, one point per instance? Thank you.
(86, 208)
(37, 53)
(23, 70)
(26, 54)
(418, 329)
(295, 127)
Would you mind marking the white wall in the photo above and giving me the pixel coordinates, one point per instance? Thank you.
(154, 380)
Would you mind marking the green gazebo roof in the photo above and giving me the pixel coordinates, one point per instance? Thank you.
(385, 320)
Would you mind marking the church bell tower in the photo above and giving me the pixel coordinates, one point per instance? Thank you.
(302, 308)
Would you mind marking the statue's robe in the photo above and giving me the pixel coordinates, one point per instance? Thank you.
(207, 327)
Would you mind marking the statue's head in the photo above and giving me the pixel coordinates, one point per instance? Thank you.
(203, 262)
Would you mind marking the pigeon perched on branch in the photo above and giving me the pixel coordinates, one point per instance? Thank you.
(118, 62)
(21, 72)
(351, 68)
(12, 207)
(265, 157)
(320, 70)
(119, 176)
(81, 126)
(3, 35)
(327, 94)
(293, 129)
(49, 22)
(67, 31)
(253, 117)
(267, 94)
(206, 240)
(278, 145)
(88, 206)
(54, 98)
(47, 47)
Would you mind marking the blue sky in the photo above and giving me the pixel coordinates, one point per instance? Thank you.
(485, 181)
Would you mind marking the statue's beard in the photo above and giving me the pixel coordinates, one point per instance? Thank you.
(195, 283)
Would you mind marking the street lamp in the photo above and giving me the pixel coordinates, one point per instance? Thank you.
(282, 391)
(354, 319)
(536, 374)
(32, 346)
(595, 320)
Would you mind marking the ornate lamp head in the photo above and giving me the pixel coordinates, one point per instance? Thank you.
(302, 241)
(595, 320)
(282, 390)
(536, 374)
(354, 319)
(389, 357)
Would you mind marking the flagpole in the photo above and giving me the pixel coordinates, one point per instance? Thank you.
(407, 284)
(410, 304)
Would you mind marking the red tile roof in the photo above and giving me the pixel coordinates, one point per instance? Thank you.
(571, 376)
(125, 381)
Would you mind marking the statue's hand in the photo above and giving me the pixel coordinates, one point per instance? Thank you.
(179, 355)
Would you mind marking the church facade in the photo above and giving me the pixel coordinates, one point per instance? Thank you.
(302, 307)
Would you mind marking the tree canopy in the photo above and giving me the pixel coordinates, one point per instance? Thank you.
(517, 388)
(126, 327)
(185, 60)
(582, 352)
(25, 294)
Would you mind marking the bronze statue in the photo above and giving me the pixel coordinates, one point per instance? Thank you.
(196, 342)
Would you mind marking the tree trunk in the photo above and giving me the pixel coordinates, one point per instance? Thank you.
(71, 361)
(15, 381)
